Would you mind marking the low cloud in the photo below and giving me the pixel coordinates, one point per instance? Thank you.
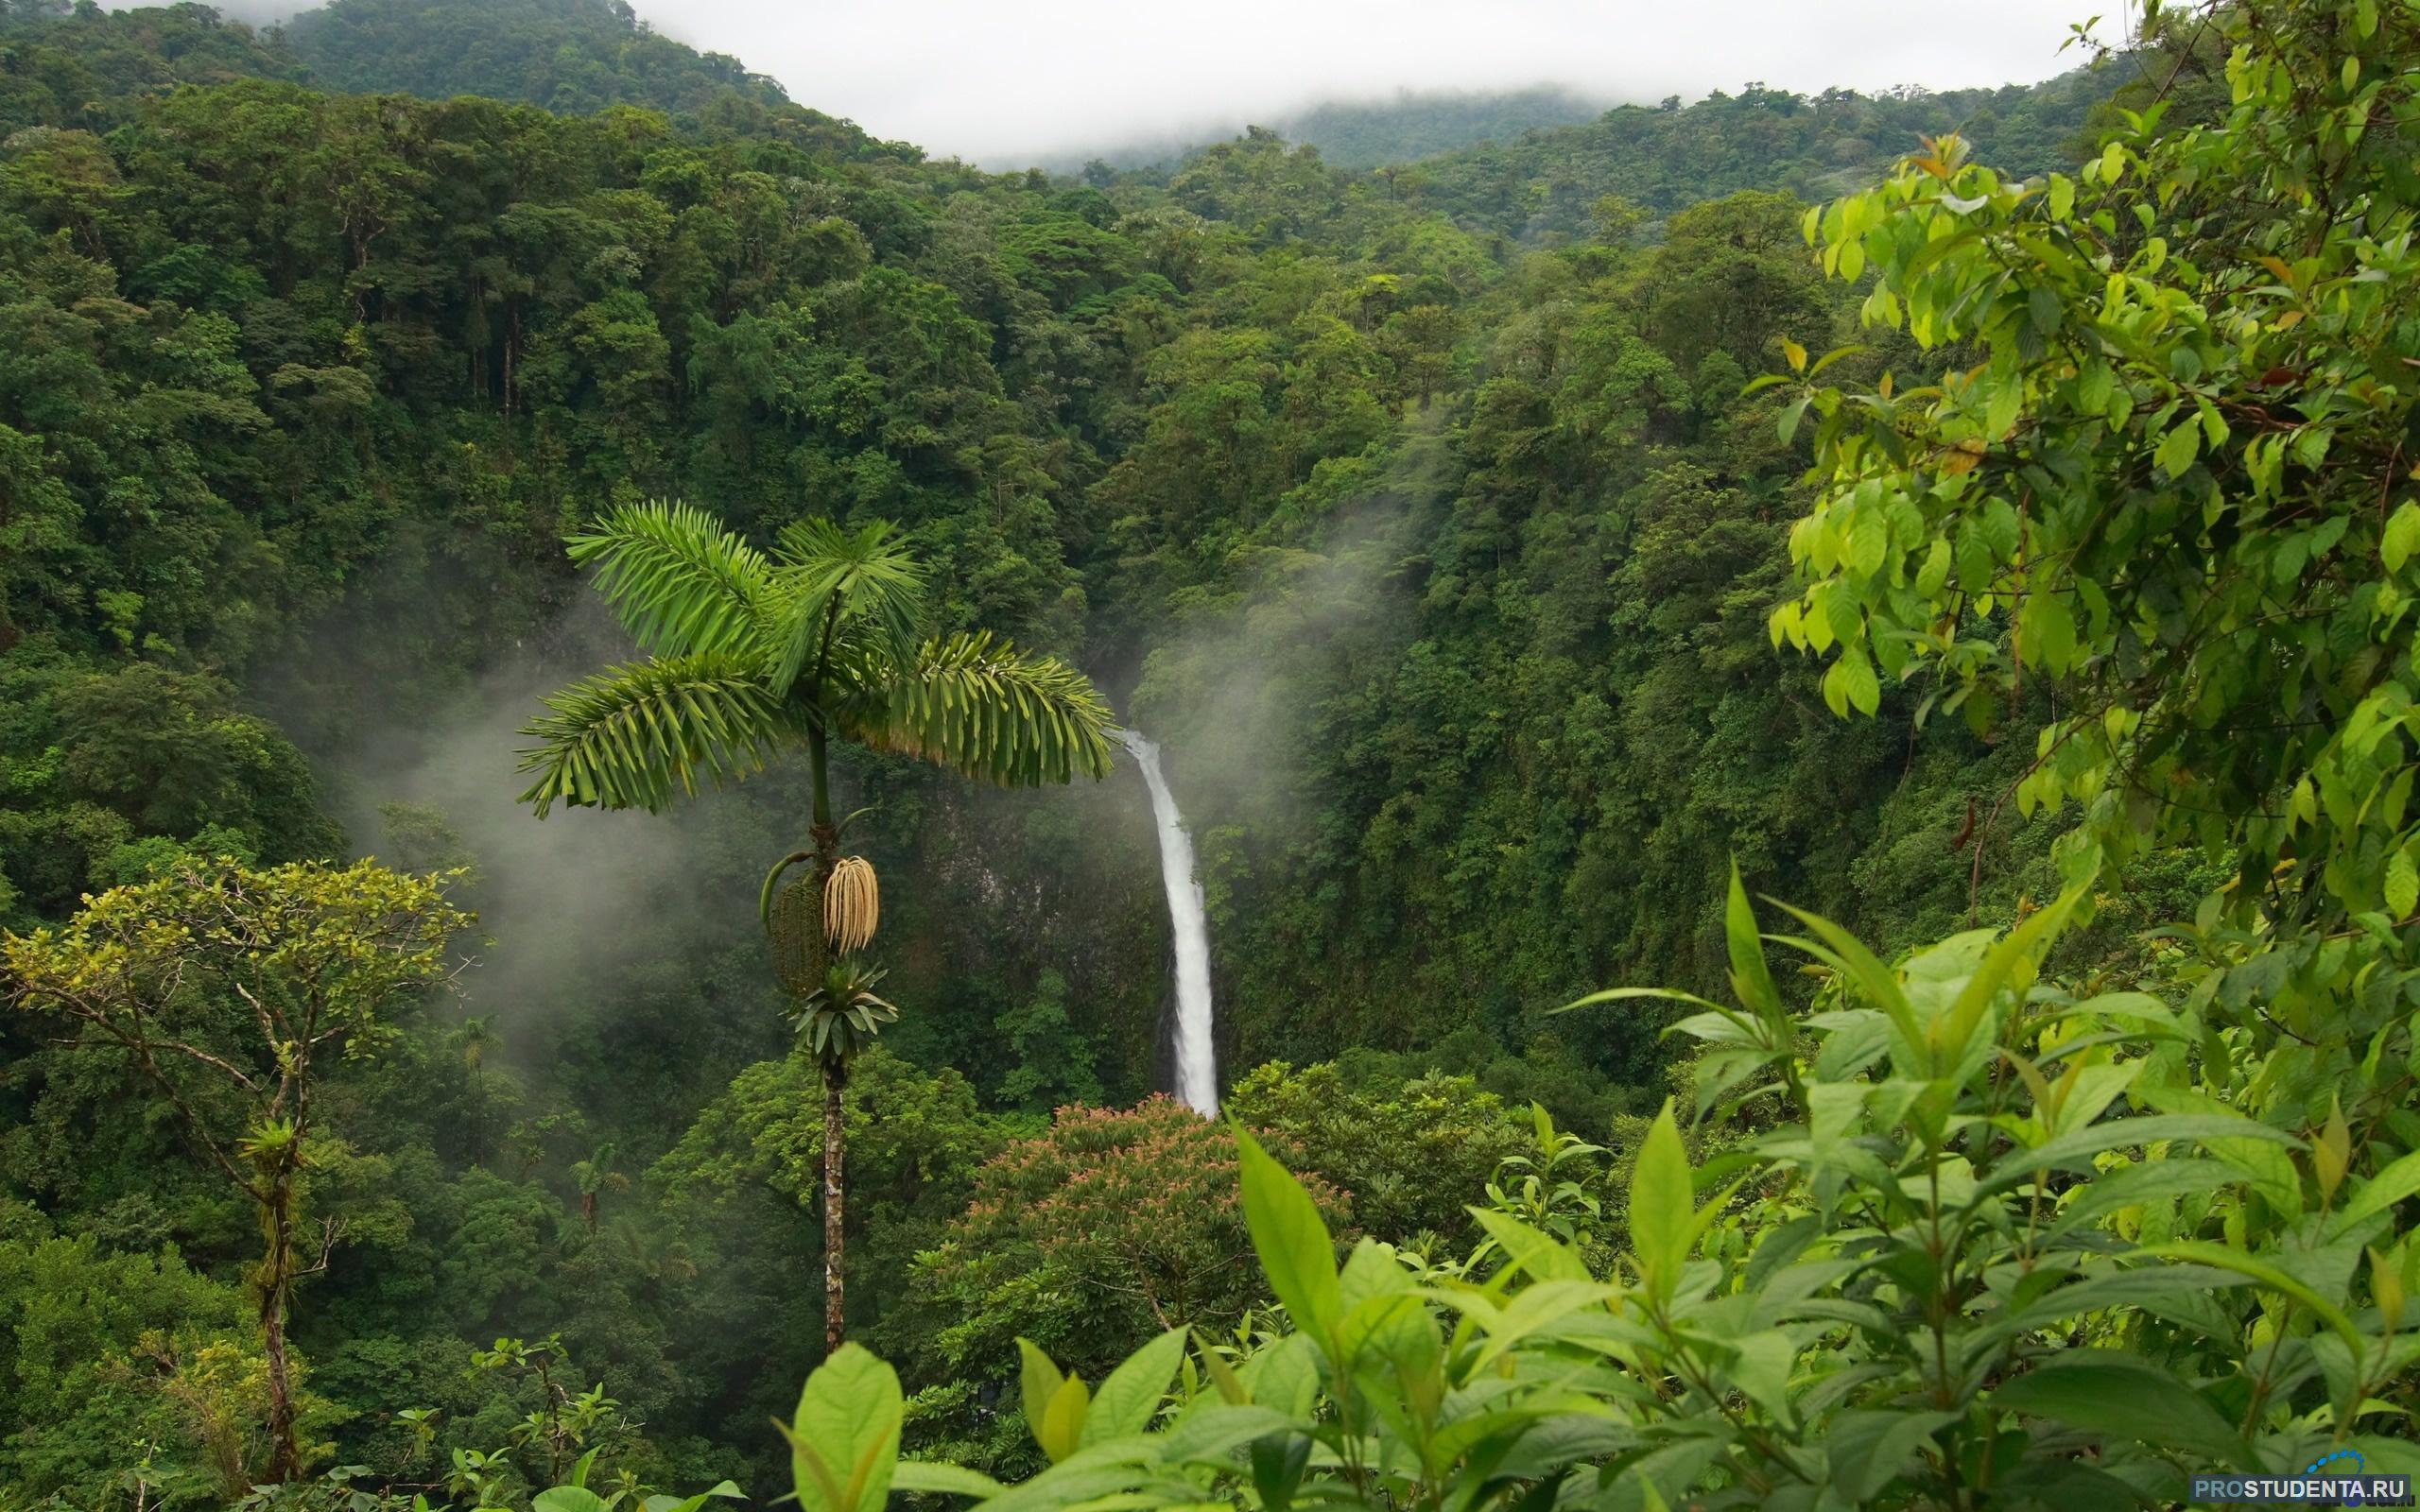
(1006, 85)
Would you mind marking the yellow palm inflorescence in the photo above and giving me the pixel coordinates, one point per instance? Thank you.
(852, 904)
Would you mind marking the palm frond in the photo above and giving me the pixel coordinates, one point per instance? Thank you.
(831, 578)
(640, 735)
(972, 703)
(679, 581)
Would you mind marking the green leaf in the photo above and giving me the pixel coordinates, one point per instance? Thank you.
(2006, 966)
(567, 1498)
(1868, 1448)
(1543, 1256)
(2108, 1395)
(1662, 1211)
(1934, 574)
(2381, 1191)
(1133, 1391)
(2178, 450)
(720, 1490)
(2075, 1150)
(1038, 1381)
(1213, 1431)
(1869, 539)
(1061, 1430)
(2052, 630)
(1295, 1251)
(2402, 884)
(1865, 690)
(2401, 538)
(948, 1480)
(1847, 954)
(1790, 415)
(844, 1438)
(2267, 1275)
(1752, 980)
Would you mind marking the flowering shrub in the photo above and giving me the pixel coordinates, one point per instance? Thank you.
(1112, 1225)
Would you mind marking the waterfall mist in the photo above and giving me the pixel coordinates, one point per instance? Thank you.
(1197, 1067)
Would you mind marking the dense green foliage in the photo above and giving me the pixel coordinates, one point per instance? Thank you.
(85, 67)
(1428, 521)
(1549, 183)
(1374, 133)
(565, 54)
(1928, 1284)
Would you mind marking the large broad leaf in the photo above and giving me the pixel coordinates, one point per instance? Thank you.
(1283, 1377)
(2151, 1181)
(1056, 1406)
(1751, 981)
(1291, 1240)
(948, 1480)
(2113, 1396)
(1845, 954)
(1543, 1256)
(2381, 1191)
(1661, 1213)
(2267, 1275)
(1038, 1381)
(2076, 1150)
(1211, 1433)
(1868, 1448)
(1133, 1391)
(720, 1490)
(844, 1440)
(567, 1498)
(2007, 966)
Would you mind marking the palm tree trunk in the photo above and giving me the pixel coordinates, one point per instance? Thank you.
(836, 1077)
(276, 1286)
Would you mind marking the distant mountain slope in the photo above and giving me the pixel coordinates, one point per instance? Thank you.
(66, 67)
(83, 67)
(1369, 134)
(573, 56)
(1547, 184)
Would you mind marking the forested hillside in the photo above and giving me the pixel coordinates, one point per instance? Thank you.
(1371, 134)
(565, 54)
(1435, 523)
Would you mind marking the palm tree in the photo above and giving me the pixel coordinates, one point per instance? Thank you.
(755, 653)
(834, 1022)
(595, 1177)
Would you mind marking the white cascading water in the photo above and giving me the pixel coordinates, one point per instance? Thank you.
(1197, 1067)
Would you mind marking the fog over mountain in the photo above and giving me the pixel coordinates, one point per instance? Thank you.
(1058, 80)
(1006, 83)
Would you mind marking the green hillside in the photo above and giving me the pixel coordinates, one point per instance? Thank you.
(1796, 718)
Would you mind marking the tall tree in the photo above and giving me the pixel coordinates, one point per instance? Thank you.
(233, 992)
(752, 653)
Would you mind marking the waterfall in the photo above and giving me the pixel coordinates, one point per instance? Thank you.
(1196, 1068)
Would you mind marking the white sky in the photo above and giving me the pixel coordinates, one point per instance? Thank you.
(1000, 81)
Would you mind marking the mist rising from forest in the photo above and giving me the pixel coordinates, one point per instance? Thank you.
(1226, 699)
(568, 906)
(555, 897)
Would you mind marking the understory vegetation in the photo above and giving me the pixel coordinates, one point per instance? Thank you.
(1798, 716)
